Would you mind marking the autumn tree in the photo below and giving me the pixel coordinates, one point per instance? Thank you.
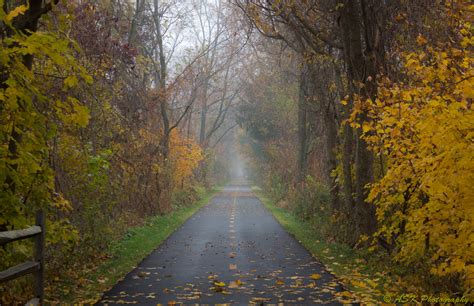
(420, 124)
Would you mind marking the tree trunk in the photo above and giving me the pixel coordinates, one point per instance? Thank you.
(161, 76)
(331, 147)
(302, 125)
(359, 69)
(202, 130)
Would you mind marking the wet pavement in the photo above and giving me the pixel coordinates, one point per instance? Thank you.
(231, 251)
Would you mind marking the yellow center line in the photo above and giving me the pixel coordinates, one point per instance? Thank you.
(231, 226)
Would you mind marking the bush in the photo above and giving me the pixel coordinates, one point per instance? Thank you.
(312, 200)
(277, 187)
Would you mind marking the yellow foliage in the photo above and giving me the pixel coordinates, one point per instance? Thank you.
(185, 155)
(31, 115)
(19, 10)
(425, 129)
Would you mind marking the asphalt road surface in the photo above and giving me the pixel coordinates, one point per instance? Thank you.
(231, 251)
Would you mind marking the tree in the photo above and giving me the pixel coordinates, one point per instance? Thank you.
(421, 125)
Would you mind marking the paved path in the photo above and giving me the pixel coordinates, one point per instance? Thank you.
(231, 251)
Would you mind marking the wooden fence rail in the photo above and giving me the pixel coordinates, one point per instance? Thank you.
(37, 266)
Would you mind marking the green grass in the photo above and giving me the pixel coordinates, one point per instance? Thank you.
(359, 271)
(136, 244)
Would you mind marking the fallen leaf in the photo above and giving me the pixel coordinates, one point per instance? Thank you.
(143, 274)
(233, 285)
(344, 293)
(126, 302)
(359, 284)
(260, 299)
(315, 276)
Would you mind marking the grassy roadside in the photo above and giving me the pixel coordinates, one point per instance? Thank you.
(360, 272)
(134, 246)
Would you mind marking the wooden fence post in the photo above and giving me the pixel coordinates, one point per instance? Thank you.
(39, 256)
